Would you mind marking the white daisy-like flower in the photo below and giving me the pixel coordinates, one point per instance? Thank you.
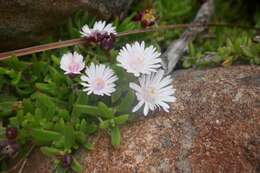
(72, 63)
(154, 91)
(99, 27)
(138, 59)
(99, 80)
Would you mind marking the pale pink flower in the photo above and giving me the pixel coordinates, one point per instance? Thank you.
(154, 91)
(72, 63)
(138, 59)
(99, 80)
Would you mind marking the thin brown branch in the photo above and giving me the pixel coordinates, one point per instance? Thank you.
(78, 41)
(41, 48)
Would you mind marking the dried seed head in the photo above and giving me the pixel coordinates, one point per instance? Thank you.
(148, 18)
(11, 133)
(66, 161)
(8, 148)
(107, 41)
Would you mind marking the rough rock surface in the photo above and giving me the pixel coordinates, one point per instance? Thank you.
(213, 127)
(23, 22)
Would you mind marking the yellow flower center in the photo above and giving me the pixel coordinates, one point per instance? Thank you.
(150, 94)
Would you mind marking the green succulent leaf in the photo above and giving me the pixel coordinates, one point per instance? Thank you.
(45, 136)
(86, 109)
(76, 166)
(115, 136)
(126, 102)
(50, 151)
(104, 111)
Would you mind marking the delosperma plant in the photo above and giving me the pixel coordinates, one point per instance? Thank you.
(79, 95)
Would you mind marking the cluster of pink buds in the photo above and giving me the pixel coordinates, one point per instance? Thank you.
(101, 33)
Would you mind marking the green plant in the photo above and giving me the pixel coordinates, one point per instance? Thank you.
(56, 114)
(228, 48)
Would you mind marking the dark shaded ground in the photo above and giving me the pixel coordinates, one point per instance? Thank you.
(213, 127)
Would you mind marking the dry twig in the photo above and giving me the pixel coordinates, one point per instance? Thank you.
(21, 162)
(179, 46)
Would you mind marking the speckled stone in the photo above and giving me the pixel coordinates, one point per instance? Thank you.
(213, 127)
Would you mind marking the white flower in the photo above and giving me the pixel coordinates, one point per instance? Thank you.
(72, 63)
(99, 27)
(138, 60)
(155, 91)
(99, 80)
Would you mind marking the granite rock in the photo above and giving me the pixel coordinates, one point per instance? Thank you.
(214, 126)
